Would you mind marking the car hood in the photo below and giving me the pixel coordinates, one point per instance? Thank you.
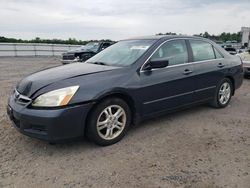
(41, 79)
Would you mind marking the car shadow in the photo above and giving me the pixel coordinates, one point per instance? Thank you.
(169, 117)
(162, 120)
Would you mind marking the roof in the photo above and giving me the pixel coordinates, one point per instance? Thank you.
(158, 37)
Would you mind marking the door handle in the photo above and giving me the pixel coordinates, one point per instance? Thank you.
(187, 72)
(220, 65)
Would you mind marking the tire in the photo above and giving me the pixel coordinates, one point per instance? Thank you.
(112, 128)
(218, 101)
(81, 58)
(84, 57)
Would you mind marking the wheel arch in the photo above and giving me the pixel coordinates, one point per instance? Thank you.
(115, 94)
(233, 82)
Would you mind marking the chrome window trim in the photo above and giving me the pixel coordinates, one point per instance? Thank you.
(188, 63)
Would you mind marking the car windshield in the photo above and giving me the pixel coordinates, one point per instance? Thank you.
(79, 49)
(92, 46)
(123, 53)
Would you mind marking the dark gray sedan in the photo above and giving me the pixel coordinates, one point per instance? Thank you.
(130, 81)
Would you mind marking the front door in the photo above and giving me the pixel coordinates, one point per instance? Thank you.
(171, 87)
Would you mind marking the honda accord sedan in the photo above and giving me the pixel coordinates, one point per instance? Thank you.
(128, 82)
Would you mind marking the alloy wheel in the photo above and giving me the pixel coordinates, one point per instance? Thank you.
(111, 122)
(224, 93)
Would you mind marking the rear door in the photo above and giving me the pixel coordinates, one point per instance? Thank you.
(171, 87)
(209, 67)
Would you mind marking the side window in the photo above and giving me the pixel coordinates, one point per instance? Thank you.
(173, 51)
(105, 45)
(202, 50)
(217, 54)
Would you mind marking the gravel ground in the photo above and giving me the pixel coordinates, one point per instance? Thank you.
(197, 148)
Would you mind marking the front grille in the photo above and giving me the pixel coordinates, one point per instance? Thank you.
(68, 57)
(21, 98)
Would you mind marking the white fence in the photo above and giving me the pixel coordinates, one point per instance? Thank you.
(37, 49)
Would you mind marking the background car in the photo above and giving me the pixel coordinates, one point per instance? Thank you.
(245, 57)
(84, 52)
(246, 66)
(231, 50)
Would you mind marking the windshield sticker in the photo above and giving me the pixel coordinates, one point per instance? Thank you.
(139, 47)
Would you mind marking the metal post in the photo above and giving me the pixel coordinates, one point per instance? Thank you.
(53, 53)
(35, 49)
(15, 50)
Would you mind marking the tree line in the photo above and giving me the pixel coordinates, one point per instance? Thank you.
(49, 41)
(223, 37)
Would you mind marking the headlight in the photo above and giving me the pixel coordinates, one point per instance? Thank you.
(60, 97)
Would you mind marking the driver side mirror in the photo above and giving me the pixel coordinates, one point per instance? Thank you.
(156, 64)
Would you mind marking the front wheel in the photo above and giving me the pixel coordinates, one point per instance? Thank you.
(109, 122)
(223, 94)
(84, 57)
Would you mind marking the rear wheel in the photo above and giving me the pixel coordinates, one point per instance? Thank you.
(223, 94)
(109, 122)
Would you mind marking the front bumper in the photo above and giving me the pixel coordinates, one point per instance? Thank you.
(51, 125)
(69, 61)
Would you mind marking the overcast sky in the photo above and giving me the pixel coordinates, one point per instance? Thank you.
(119, 19)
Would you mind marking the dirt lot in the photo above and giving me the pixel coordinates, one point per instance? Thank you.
(200, 147)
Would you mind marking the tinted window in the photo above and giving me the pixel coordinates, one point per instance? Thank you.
(105, 45)
(174, 51)
(217, 54)
(202, 50)
(92, 46)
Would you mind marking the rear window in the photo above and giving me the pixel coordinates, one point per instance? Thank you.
(202, 50)
(217, 54)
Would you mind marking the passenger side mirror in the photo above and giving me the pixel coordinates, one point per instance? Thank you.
(156, 64)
